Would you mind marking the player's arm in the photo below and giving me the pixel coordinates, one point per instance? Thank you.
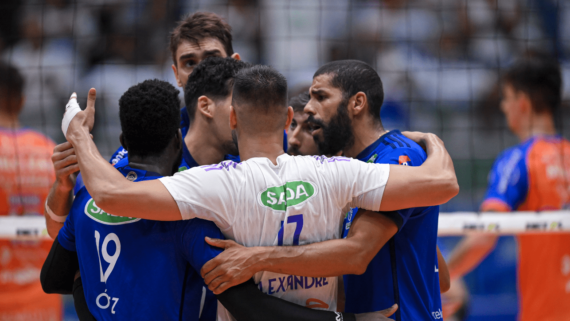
(110, 190)
(60, 194)
(58, 272)
(432, 183)
(508, 187)
(444, 280)
(246, 302)
(368, 233)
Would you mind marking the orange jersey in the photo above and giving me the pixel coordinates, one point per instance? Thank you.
(535, 176)
(26, 174)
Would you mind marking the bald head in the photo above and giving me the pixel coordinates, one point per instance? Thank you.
(260, 99)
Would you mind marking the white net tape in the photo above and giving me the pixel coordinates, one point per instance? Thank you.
(458, 223)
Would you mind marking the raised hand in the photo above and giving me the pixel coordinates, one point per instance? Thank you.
(85, 119)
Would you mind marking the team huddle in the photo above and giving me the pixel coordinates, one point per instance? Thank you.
(202, 214)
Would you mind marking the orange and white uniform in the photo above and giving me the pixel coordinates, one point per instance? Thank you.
(535, 176)
(26, 174)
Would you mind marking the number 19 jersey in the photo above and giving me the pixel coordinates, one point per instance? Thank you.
(300, 200)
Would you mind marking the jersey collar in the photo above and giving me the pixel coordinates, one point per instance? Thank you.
(368, 151)
(134, 175)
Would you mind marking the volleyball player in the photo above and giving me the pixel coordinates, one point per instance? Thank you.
(389, 257)
(270, 198)
(196, 37)
(139, 269)
(531, 176)
(299, 138)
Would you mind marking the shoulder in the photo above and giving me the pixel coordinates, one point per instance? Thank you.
(512, 156)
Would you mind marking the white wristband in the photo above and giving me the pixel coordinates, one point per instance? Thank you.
(71, 109)
(57, 218)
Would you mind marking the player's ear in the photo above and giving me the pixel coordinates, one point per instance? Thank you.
(236, 56)
(205, 106)
(290, 114)
(178, 140)
(123, 142)
(359, 103)
(175, 70)
(233, 118)
(525, 104)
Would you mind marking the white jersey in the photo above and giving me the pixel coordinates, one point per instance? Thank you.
(300, 200)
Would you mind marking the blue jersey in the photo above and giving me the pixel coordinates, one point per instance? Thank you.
(405, 270)
(135, 269)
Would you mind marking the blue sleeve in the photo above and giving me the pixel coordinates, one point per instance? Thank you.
(405, 157)
(193, 246)
(66, 236)
(508, 182)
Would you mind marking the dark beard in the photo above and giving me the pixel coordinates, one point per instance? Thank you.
(337, 134)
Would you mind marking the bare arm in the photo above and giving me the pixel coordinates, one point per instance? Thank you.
(60, 195)
(444, 281)
(432, 183)
(469, 253)
(110, 190)
(368, 233)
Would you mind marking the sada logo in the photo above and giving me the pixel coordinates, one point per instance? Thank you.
(290, 194)
(97, 214)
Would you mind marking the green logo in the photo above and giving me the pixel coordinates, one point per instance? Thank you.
(372, 159)
(182, 168)
(290, 194)
(97, 214)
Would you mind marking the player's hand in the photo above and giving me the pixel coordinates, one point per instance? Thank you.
(85, 119)
(65, 165)
(231, 267)
(425, 140)
(379, 315)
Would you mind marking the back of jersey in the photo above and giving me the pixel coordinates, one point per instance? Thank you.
(131, 269)
(298, 201)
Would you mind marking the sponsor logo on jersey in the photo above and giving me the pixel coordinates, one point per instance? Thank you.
(404, 160)
(290, 194)
(316, 304)
(372, 159)
(182, 168)
(132, 176)
(98, 215)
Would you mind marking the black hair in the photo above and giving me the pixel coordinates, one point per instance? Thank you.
(212, 77)
(11, 81)
(300, 101)
(353, 76)
(539, 77)
(261, 87)
(150, 117)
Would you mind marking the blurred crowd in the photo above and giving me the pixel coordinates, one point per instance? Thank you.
(432, 55)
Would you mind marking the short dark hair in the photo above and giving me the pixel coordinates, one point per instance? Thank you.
(353, 76)
(11, 81)
(198, 26)
(261, 87)
(212, 77)
(300, 101)
(539, 77)
(150, 117)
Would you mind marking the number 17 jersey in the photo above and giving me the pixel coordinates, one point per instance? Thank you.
(299, 200)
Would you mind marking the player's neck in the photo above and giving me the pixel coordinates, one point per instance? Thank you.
(9, 120)
(268, 146)
(366, 132)
(537, 125)
(158, 164)
(204, 148)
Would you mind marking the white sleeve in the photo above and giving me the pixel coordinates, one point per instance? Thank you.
(208, 195)
(357, 183)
